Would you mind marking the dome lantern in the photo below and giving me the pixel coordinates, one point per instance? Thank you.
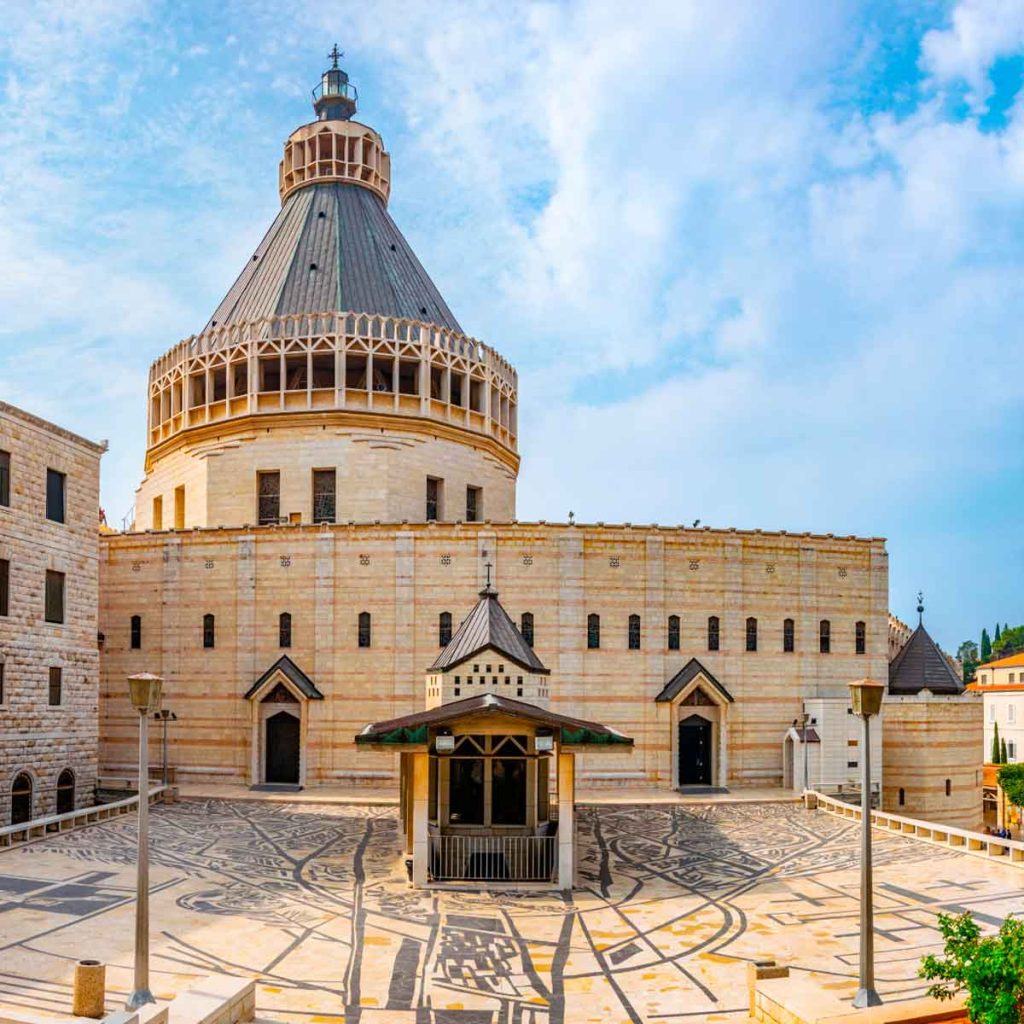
(334, 99)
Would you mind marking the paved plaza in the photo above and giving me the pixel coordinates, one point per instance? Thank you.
(312, 901)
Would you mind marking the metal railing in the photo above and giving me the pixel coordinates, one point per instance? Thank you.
(493, 858)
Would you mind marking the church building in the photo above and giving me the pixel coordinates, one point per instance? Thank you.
(330, 483)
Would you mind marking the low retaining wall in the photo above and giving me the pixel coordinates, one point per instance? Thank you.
(40, 828)
(1012, 850)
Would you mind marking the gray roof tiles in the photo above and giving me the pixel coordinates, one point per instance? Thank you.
(334, 246)
(488, 626)
(920, 665)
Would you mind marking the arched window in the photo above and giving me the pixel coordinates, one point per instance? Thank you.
(903, 797)
(364, 629)
(751, 634)
(861, 638)
(788, 636)
(526, 627)
(284, 629)
(136, 632)
(673, 632)
(634, 632)
(21, 798)
(209, 630)
(444, 629)
(65, 791)
(713, 634)
(824, 636)
(949, 787)
(593, 632)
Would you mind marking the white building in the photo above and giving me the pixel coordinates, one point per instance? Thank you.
(1001, 684)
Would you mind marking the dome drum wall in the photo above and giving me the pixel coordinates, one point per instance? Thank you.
(332, 361)
(327, 151)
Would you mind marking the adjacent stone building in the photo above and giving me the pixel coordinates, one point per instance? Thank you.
(331, 470)
(49, 662)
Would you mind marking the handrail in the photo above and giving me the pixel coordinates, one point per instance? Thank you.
(39, 828)
(978, 843)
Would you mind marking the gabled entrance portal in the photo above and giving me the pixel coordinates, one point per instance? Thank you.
(695, 751)
(282, 749)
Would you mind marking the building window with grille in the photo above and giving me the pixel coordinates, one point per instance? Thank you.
(634, 633)
(825, 636)
(444, 629)
(56, 483)
(324, 496)
(268, 487)
(209, 631)
(673, 632)
(5, 587)
(433, 499)
(788, 636)
(284, 629)
(56, 685)
(364, 629)
(751, 634)
(136, 632)
(54, 596)
(860, 638)
(5, 479)
(714, 636)
(526, 627)
(474, 504)
(593, 631)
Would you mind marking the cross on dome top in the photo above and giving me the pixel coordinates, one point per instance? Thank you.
(335, 55)
(334, 99)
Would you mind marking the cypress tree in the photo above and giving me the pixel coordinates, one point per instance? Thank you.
(995, 745)
(995, 639)
(986, 646)
(1002, 752)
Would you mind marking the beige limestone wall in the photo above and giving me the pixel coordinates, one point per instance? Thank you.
(380, 475)
(928, 740)
(405, 576)
(34, 736)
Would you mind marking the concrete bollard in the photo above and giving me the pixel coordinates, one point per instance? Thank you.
(90, 989)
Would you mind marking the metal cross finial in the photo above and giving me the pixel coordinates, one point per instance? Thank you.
(335, 55)
(920, 608)
(488, 566)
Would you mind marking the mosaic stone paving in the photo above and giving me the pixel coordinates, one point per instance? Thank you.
(312, 901)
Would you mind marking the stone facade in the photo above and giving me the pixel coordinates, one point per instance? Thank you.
(38, 737)
(931, 758)
(405, 576)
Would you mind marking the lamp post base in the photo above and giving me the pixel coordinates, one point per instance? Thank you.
(866, 997)
(140, 997)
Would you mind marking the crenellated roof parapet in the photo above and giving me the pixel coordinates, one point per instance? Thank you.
(333, 360)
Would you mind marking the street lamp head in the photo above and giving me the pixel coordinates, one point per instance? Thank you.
(144, 689)
(866, 697)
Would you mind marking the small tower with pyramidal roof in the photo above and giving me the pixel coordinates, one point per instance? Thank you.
(488, 654)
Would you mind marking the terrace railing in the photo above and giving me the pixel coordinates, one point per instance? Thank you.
(493, 858)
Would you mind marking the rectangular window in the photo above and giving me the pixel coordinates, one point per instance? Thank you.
(433, 499)
(136, 632)
(56, 684)
(365, 634)
(751, 634)
(55, 486)
(991, 712)
(824, 636)
(5, 479)
(268, 487)
(473, 504)
(508, 791)
(633, 637)
(5, 587)
(714, 637)
(788, 636)
(1011, 713)
(158, 513)
(1011, 750)
(860, 638)
(593, 632)
(466, 790)
(673, 632)
(324, 495)
(54, 596)
(209, 631)
(179, 507)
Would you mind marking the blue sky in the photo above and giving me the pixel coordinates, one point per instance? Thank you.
(757, 263)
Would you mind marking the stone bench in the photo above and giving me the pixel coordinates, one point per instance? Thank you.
(217, 999)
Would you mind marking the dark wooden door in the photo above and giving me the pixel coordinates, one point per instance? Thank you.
(695, 751)
(65, 792)
(21, 799)
(282, 748)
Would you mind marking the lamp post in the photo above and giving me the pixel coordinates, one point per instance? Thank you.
(165, 716)
(145, 694)
(866, 698)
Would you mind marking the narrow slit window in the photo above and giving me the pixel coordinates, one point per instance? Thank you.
(5, 479)
(5, 587)
(209, 631)
(673, 632)
(593, 631)
(788, 636)
(56, 686)
(54, 610)
(633, 637)
(714, 636)
(444, 629)
(526, 627)
(56, 484)
(824, 636)
(365, 635)
(268, 487)
(861, 638)
(284, 629)
(751, 634)
(136, 632)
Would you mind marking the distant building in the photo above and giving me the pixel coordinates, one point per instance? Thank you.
(932, 734)
(49, 577)
(1001, 685)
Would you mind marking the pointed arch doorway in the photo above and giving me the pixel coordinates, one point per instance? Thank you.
(282, 748)
(694, 768)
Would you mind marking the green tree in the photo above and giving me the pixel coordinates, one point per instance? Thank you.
(1002, 752)
(1011, 780)
(995, 744)
(1011, 641)
(995, 639)
(967, 655)
(986, 646)
(990, 969)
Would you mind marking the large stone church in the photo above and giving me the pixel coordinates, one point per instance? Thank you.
(330, 481)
